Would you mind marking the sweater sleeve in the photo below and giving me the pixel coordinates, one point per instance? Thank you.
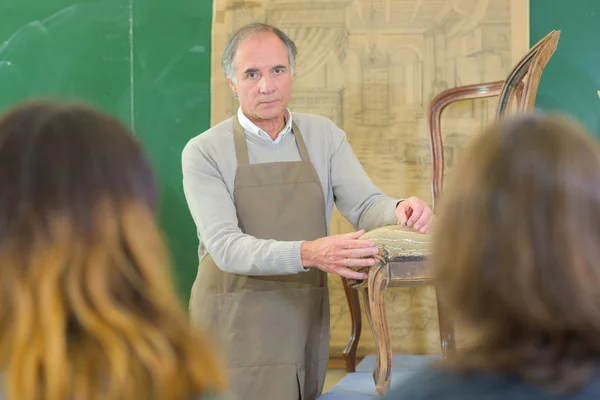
(356, 197)
(214, 214)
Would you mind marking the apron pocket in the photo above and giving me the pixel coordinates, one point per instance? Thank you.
(266, 328)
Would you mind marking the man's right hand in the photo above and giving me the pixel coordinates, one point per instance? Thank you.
(334, 254)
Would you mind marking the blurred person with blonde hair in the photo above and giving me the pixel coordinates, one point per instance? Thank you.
(516, 254)
(87, 307)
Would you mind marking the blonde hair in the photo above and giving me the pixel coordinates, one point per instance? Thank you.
(87, 306)
(516, 251)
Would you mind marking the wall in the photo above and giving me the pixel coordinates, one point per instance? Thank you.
(459, 43)
(373, 70)
(111, 53)
(147, 62)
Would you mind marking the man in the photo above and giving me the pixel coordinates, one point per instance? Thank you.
(261, 187)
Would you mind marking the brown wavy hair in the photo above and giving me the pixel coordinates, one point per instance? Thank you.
(87, 305)
(517, 251)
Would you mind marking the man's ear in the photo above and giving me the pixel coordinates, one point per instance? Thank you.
(232, 86)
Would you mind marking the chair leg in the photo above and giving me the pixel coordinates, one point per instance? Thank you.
(356, 318)
(375, 308)
(448, 344)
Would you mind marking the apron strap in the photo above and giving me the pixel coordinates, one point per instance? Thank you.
(300, 142)
(241, 148)
(239, 140)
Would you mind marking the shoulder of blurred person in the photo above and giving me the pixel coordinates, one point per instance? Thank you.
(445, 384)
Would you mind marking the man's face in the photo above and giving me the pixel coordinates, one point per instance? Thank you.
(264, 79)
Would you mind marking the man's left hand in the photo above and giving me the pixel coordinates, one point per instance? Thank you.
(414, 212)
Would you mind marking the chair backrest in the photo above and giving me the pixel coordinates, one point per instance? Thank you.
(523, 81)
(521, 86)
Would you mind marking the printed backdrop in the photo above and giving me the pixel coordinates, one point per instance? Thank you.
(373, 66)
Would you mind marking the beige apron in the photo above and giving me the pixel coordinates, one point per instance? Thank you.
(275, 329)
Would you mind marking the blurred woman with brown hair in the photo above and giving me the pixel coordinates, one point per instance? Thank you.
(87, 307)
(517, 258)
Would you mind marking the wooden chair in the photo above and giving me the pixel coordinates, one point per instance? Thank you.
(402, 257)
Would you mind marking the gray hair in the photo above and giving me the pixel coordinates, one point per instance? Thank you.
(245, 32)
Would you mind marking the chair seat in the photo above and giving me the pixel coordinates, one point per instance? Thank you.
(399, 241)
(398, 244)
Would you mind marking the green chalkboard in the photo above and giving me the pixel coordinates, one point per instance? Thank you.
(571, 80)
(172, 52)
(145, 61)
(67, 49)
